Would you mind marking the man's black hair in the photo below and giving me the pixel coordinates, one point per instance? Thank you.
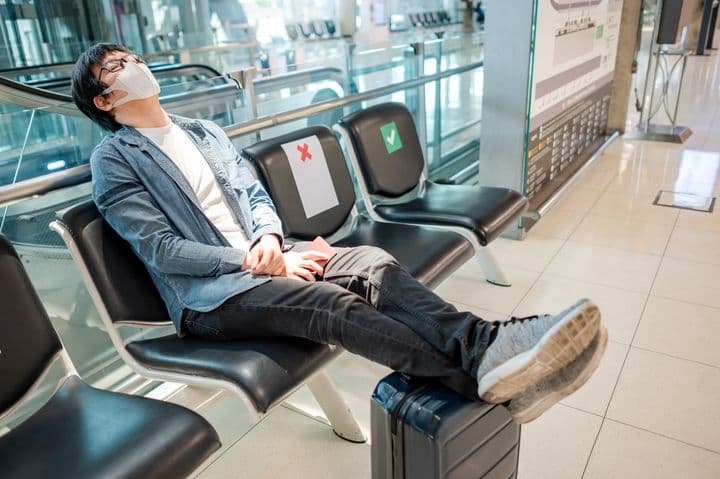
(85, 87)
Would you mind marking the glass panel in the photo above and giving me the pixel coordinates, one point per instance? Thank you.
(39, 142)
(453, 108)
(42, 142)
(216, 99)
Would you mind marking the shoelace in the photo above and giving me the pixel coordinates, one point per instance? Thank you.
(516, 319)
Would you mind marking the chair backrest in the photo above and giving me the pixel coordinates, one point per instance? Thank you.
(123, 283)
(28, 341)
(387, 148)
(311, 198)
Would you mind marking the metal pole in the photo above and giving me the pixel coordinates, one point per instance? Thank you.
(713, 26)
(419, 49)
(245, 82)
(650, 58)
(437, 123)
(350, 86)
(704, 27)
(677, 100)
(652, 89)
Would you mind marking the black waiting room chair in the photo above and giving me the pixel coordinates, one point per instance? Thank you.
(385, 150)
(262, 372)
(430, 255)
(305, 29)
(81, 431)
(318, 28)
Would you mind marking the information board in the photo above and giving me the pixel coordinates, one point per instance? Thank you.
(575, 45)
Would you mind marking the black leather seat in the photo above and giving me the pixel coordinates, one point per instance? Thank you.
(305, 29)
(385, 149)
(265, 370)
(428, 254)
(487, 211)
(430, 257)
(81, 431)
(484, 210)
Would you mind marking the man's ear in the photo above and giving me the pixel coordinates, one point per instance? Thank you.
(102, 104)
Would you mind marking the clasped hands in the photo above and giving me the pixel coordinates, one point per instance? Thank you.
(266, 257)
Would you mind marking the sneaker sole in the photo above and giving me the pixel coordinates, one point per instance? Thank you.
(559, 346)
(546, 401)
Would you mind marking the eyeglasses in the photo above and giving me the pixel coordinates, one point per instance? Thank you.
(114, 66)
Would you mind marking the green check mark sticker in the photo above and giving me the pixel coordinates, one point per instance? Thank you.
(391, 137)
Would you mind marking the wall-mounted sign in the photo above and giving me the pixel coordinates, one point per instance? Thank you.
(575, 45)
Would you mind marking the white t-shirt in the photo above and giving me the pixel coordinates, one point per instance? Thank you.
(176, 144)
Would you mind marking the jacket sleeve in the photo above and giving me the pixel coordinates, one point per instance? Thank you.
(127, 206)
(264, 215)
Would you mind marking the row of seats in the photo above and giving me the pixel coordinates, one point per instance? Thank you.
(317, 28)
(429, 19)
(264, 372)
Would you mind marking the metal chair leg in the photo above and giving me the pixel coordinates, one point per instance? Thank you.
(337, 411)
(493, 273)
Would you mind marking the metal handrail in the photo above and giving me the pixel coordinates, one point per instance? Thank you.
(188, 68)
(289, 116)
(41, 185)
(300, 77)
(80, 174)
(29, 70)
(30, 96)
(12, 91)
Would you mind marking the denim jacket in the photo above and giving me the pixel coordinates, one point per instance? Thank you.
(147, 200)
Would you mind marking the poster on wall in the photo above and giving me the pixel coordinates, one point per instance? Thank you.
(572, 70)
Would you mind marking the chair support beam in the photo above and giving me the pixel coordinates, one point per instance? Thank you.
(336, 409)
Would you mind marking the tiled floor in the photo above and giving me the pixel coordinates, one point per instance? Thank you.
(652, 410)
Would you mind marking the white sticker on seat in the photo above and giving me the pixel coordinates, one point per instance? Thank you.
(311, 174)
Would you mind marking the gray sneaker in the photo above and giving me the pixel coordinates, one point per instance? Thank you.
(528, 349)
(538, 398)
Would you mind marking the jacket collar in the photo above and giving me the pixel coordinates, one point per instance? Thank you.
(129, 135)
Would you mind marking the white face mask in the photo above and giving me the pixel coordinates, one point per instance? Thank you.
(137, 80)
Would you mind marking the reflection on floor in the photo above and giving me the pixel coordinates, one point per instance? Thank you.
(651, 411)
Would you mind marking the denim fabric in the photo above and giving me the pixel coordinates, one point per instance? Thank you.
(366, 303)
(147, 200)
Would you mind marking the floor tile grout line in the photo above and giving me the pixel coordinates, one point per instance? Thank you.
(655, 433)
(580, 410)
(690, 260)
(588, 213)
(657, 271)
(596, 283)
(684, 301)
(455, 303)
(617, 380)
(627, 353)
(234, 443)
(694, 361)
(564, 242)
(618, 249)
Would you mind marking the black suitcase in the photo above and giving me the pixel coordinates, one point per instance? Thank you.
(423, 430)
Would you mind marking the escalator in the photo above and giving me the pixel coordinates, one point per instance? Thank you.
(44, 132)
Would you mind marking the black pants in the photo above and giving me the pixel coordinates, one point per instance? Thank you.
(366, 303)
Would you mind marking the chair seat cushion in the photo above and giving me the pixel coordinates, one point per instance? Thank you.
(429, 254)
(86, 432)
(267, 370)
(485, 210)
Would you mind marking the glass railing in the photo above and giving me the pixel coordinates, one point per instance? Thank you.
(40, 142)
